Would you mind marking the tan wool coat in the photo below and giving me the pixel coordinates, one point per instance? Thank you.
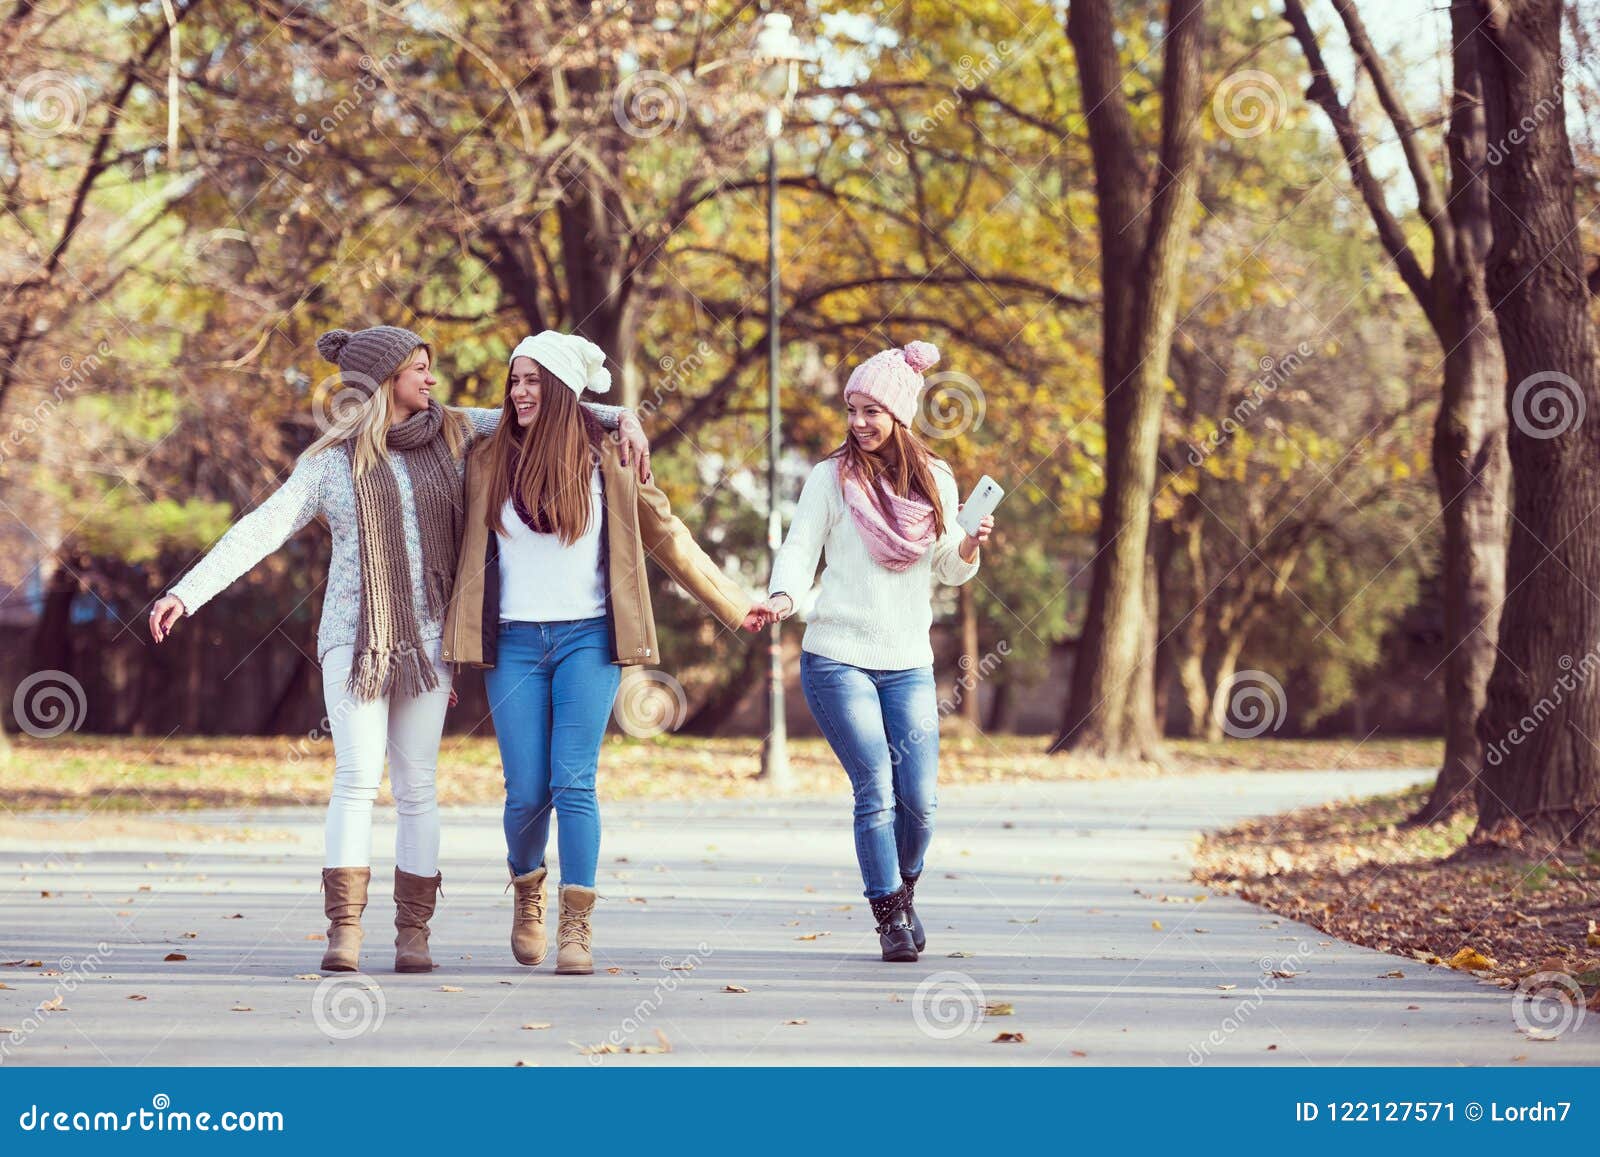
(637, 522)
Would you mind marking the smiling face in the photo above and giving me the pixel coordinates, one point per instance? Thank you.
(870, 423)
(524, 391)
(413, 383)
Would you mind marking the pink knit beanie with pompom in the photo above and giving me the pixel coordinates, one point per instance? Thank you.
(893, 378)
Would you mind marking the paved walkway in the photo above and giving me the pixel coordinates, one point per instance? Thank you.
(1068, 903)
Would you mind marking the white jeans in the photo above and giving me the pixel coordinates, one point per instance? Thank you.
(406, 729)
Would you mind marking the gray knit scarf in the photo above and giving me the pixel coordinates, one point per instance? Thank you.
(389, 655)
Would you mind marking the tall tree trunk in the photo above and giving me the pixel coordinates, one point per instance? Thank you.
(1469, 457)
(1110, 709)
(1541, 720)
(1469, 439)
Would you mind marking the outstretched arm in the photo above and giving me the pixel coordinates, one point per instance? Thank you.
(246, 543)
(668, 541)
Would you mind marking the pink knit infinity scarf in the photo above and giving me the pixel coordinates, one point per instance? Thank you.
(895, 544)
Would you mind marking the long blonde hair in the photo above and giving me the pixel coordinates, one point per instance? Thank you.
(367, 423)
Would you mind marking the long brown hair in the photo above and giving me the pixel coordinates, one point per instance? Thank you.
(547, 467)
(902, 465)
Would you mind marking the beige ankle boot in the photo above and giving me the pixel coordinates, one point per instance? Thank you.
(573, 956)
(414, 900)
(344, 898)
(529, 942)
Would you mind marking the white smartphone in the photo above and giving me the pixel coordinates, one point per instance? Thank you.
(985, 496)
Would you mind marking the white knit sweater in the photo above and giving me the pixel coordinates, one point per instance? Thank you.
(866, 614)
(322, 486)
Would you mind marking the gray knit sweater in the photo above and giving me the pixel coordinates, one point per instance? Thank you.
(322, 486)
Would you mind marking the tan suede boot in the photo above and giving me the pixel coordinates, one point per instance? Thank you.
(529, 942)
(344, 898)
(414, 899)
(573, 956)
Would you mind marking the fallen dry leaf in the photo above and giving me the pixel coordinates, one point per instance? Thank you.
(1156, 924)
(958, 955)
(734, 988)
(1227, 987)
(1392, 974)
(241, 1008)
(449, 988)
(174, 956)
(57, 1004)
(998, 1008)
(1009, 1038)
(537, 1025)
(315, 936)
(308, 976)
(797, 1020)
(1470, 960)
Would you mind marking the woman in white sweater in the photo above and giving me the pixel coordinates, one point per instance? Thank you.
(386, 478)
(881, 512)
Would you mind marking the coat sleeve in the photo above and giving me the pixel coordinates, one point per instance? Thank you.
(668, 541)
(796, 564)
(948, 565)
(256, 535)
(485, 420)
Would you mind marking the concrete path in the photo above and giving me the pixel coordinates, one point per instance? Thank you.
(1068, 903)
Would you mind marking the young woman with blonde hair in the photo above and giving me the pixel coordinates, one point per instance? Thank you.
(386, 478)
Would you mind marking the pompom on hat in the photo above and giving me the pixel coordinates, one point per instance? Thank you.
(893, 378)
(577, 362)
(368, 357)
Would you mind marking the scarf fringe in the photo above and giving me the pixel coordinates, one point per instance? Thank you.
(374, 674)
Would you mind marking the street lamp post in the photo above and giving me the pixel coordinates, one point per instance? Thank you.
(780, 54)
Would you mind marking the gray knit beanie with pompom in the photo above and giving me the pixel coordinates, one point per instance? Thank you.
(368, 357)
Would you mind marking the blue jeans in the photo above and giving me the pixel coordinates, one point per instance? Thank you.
(551, 691)
(884, 727)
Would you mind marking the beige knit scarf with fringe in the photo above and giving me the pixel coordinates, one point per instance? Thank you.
(389, 655)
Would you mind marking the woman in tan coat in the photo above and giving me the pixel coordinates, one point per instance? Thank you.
(551, 596)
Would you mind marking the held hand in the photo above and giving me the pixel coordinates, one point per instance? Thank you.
(167, 610)
(632, 445)
(971, 543)
(778, 607)
(755, 618)
(454, 698)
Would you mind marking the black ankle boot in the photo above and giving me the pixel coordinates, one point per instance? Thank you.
(919, 937)
(894, 931)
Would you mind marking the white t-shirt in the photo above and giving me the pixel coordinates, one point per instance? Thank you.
(543, 580)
